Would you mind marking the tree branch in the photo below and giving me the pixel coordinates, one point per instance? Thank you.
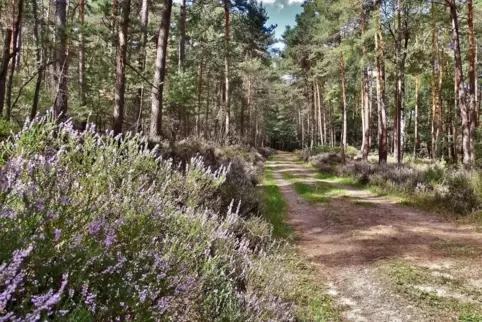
(28, 82)
(142, 76)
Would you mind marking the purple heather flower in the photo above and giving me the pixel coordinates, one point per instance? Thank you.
(64, 200)
(57, 233)
(95, 227)
(110, 239)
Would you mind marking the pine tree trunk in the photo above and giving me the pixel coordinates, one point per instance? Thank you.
(141, 64)
(366, 108)
(182, 34)
(459, 77)
(302, 121)
(434, 94)
(82, 88)
(439, 131)
(61, 65)
(343, 98)
(227, 111)
(472, 95)
(415, 137)
(381, 100)
(17, 29)
(160, 72)
(206, 118)
(3, 71)
(39, 61)
(400, 76)
(120, 69)
(199, 95)
(320, 127)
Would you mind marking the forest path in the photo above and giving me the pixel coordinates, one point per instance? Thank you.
(382, 261)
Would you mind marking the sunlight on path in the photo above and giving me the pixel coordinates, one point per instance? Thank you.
(360, 241)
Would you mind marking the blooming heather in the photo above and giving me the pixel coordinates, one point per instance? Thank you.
(101, 228)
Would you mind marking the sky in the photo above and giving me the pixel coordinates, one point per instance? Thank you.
(282, 13)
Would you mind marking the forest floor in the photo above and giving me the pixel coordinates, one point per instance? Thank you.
(381, 261)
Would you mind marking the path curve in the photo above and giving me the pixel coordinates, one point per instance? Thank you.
(346, 239)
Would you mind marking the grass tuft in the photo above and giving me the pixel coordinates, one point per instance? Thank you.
(275, 207)
(319, 192)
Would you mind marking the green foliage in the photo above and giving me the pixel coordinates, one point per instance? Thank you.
(6, 129)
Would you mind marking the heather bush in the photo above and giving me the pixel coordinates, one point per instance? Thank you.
(306, 153)
(95, 227)
(455, 190)
(246, 169)
(266, 152)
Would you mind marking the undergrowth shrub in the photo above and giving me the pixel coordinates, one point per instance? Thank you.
(306, 153)
(99, 228)
(246, 169)
(455, 190)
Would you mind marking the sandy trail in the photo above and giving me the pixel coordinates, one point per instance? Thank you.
(348, 236)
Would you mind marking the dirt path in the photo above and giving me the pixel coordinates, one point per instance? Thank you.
(356, 238)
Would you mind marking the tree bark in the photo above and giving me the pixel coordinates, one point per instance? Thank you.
(382, 112)
(141, 63)
(227, 71)
(3, 71)
(39, 60)
(208, 96)
(400, 96)
(182, 35)
(160, 72)
(434, 94)
(120, 70)
(365, 102)
(199, 95)
(472, 98)
(439, 131)
(82, 84)
(343, 98)
(61, 66)
(320, 127)
(17, 29)
(415, 137)
(459, 79)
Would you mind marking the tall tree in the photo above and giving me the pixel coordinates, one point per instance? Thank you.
(381, 101)
(472, 98)
(141, 62)
(227, 77)
(82, 84)
(343, 99)
(160, 72)
(182, 34)
(61, 61)
(459, 80)
(120, 69)
(37, 31)
(17, 30)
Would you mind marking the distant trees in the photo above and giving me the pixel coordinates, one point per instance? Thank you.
(400, 51)
(91, 60)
